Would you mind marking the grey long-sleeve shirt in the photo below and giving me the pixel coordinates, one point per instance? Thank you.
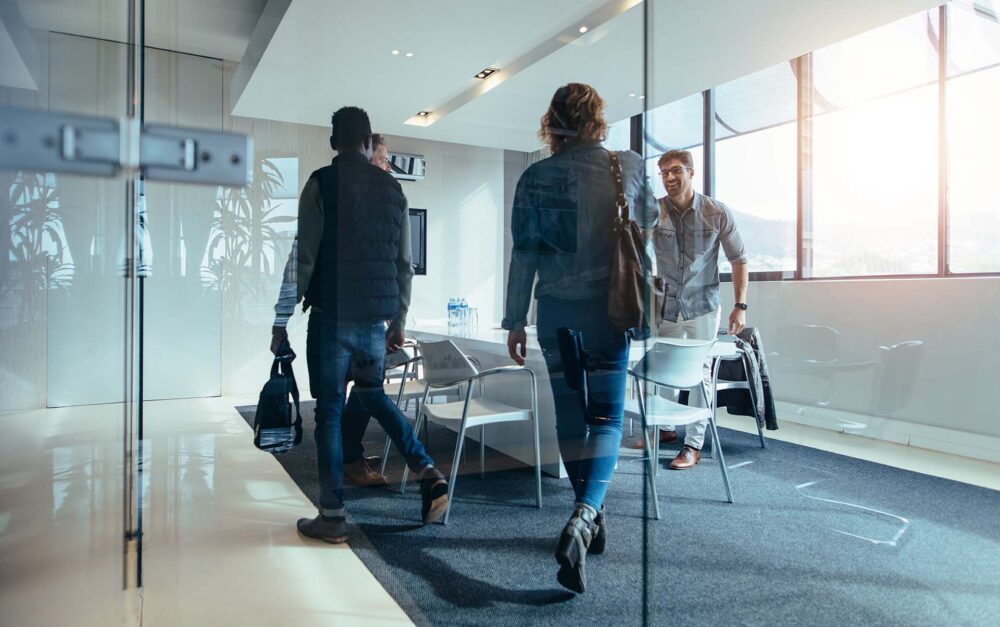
(302, 259)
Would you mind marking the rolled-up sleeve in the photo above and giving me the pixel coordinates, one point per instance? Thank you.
(524, 226)
(729, 237)
(305, 249)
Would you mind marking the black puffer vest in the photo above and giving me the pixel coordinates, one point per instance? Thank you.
(363, 208)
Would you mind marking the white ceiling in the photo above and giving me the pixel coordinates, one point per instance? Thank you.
(323, 55)
(306, 58)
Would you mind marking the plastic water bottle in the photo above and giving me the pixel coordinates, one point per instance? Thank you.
(463, 314)
(452, 312)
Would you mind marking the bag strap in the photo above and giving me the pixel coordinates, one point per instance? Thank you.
(616, 172)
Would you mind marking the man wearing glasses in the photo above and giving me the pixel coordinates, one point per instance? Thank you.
(686, 239)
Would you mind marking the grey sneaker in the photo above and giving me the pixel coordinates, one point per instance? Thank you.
(332, 530)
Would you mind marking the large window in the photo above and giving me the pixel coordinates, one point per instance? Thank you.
(874, 202)
(678, 125)
(755, 164)
(973, 131)
(866, 158)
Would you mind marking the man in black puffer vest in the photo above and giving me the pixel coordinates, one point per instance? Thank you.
(351, 265)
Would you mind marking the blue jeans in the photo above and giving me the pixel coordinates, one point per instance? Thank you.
(588, 444)
(335, 348)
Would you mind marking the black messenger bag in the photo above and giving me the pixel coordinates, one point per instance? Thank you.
(275, 429)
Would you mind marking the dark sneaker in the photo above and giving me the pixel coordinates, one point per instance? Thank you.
(572, 550)
(332, 530)
(360, 473)
(434, 497)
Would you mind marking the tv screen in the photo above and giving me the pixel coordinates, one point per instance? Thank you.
(418, 240)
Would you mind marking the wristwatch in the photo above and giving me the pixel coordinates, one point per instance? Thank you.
(742, 306)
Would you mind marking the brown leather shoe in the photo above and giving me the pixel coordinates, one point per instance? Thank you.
(666, 437)
(361, 474)
(686, 459)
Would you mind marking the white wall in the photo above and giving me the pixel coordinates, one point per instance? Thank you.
(941, 397)
(463, 192)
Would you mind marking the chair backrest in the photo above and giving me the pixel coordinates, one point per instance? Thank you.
(399, 358)
(675, 363)
(445, 364)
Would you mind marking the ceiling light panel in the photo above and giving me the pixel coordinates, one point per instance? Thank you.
(486, 73)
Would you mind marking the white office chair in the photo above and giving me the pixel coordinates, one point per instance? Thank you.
(405, 386)
(677, 364)
(445, 366)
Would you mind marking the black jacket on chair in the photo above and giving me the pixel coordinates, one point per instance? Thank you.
(742, 402)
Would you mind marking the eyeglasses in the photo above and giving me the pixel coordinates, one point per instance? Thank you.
(677, 171)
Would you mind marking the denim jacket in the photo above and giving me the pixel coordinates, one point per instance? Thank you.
(564, 210)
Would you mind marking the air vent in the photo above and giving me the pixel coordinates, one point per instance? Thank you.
(406, 167)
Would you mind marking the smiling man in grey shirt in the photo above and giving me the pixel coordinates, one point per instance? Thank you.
(689, 231)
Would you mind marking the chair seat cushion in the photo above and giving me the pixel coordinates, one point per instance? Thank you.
(660, 411)
(482, 411)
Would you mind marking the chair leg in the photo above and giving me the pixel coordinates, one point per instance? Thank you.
(656, 451)
(385, 456)
(454, 472)
(760, 434)
(538, 462)
(651, 471)
(406, 467)
(721, 460)
(482, 451)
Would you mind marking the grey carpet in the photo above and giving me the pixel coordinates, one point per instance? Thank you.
(784, 553)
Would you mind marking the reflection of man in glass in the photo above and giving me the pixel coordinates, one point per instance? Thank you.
(687, 236)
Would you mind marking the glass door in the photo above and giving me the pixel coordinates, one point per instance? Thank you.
(76, 164)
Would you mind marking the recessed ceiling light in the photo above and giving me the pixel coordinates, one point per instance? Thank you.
(583, 29)
(395, 51)
(642, 97)
(409, 54)
(423, 114)
(487, 72)
(631, 95)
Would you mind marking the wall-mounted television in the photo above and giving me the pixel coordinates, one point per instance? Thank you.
(418, 240)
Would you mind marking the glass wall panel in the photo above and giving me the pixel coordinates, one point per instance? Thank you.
(470, 169)
(64, 330)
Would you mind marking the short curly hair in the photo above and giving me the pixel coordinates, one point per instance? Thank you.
(576, 114)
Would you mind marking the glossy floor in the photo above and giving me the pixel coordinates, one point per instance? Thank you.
(219, 546)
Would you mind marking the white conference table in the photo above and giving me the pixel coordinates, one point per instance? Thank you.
(488, 344)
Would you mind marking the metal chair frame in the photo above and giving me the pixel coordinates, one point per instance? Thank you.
(468, 421)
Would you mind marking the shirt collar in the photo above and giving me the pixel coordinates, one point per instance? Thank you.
(696, 203)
